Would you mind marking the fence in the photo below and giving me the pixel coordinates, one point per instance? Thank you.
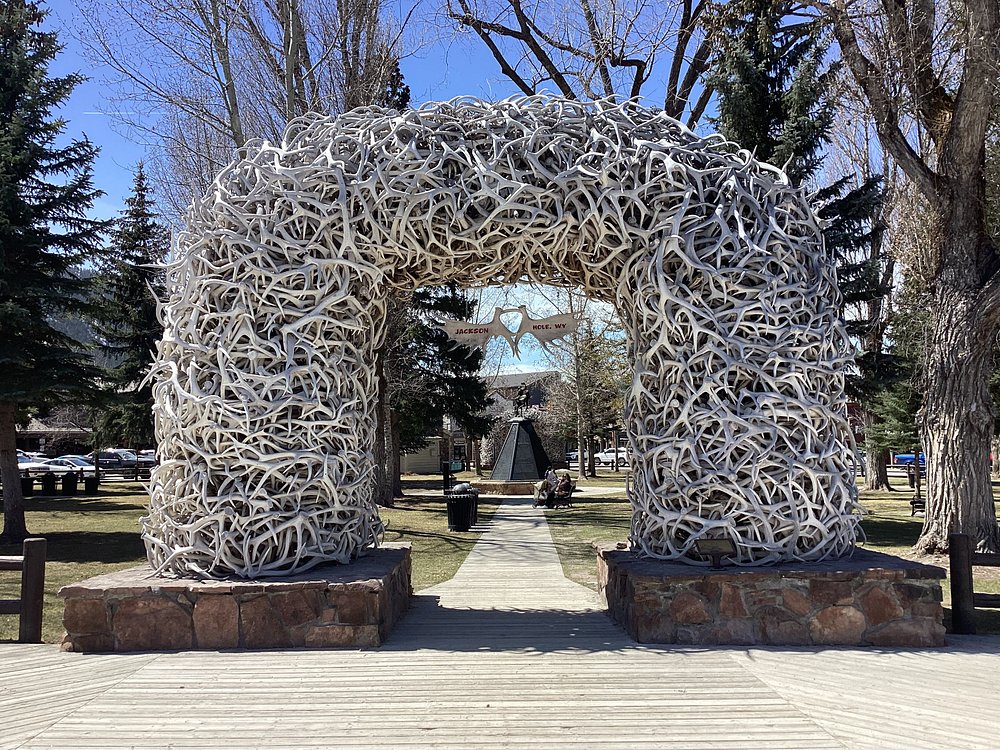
(964, 599)
(31, 563)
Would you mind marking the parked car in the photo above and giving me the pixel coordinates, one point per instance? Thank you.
(902, 459)
(71, 465)
(607, 458)
(108, 459)
(122, 459)
(143, 459)
(29, 466)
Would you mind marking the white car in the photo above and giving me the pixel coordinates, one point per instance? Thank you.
(28, 466)
(607, 458)
(71, 465)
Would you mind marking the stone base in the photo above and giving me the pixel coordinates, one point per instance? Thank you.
(489, 487)
(871, 599)
(331, 606)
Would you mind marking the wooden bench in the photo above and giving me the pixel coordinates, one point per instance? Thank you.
(918, 506)
(964, 599)
(31, 564)
(565, 501)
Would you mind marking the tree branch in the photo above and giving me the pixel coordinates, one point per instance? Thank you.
(871, 80)
(970, 120)
(482, 29)
(914, 38)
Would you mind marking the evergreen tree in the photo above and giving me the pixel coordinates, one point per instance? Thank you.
(772, 91)
(896, 406)
(126, 320)
(397, 93)
(428, 377)
(45, 192)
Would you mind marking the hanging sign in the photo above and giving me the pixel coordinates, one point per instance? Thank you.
(546, 330)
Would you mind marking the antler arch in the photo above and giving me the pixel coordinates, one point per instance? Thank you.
(265, 385)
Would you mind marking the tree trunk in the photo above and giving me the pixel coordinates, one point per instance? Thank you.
(15, 530)
(876, 465)
(581, 420)
(469, 454)
(591, 452)
(383, 484)
(957, 425)
(395, 449)
(876, 471)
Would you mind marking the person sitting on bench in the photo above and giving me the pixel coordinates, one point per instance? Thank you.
(544, 488)
(563, 491)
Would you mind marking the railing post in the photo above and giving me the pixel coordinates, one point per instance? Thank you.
(32, 591)
(963, 610)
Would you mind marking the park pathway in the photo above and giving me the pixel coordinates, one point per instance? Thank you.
(508, 654)
(511, 594)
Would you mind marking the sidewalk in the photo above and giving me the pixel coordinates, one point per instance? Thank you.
(508, 654)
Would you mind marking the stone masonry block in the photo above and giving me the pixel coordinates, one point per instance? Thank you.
(216, 622)
(152, 623)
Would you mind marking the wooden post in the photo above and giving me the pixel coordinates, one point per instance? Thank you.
(963, 610)
(32, 591)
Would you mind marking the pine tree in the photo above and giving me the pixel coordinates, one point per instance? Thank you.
(771, 89)
(896, 406)
(45, 192)
(428, 377)
(126, 320)
(396, 94)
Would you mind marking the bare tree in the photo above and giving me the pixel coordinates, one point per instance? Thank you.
(199, 78)
(588, 398)
(851, 136)
(932, 68)
(589, 49)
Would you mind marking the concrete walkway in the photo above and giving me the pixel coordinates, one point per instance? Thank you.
(508, 654)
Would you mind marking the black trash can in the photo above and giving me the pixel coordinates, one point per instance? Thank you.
(460, 510)
(27, 486)
(464, 488)
(48, 482)
(90, 485)
(69, 483)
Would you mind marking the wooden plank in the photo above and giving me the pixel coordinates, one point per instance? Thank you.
(9, 562)
(987, 559)
(10, 606)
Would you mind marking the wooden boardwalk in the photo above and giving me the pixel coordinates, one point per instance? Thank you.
(508, 654)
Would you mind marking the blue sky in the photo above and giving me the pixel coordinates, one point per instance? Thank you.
(440, 71)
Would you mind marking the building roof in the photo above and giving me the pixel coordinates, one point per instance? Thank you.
(38, 427)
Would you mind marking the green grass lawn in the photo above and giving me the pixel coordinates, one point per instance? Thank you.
(423, 522)
(88, 536)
